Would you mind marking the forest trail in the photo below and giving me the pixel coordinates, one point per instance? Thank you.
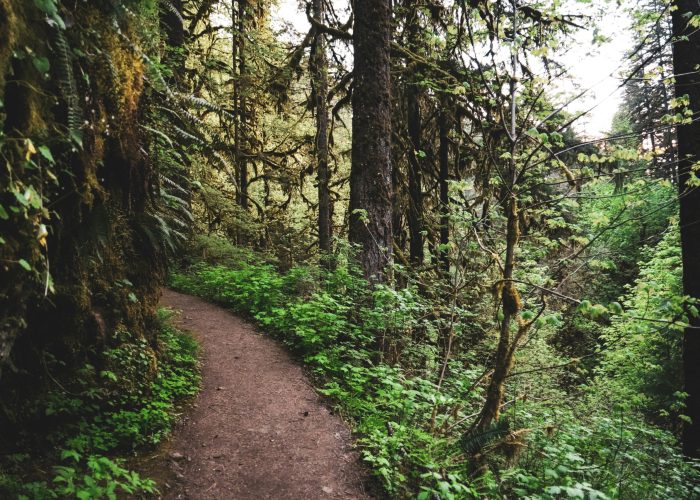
(257, 429)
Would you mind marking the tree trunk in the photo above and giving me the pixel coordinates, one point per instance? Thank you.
(444, 186)
(686, 57)
(510, 302)
(238, 13)
(370, 174)
(415, 177)
(415, 162)
(319, 69)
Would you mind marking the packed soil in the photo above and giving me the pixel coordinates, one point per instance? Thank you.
(257, 429)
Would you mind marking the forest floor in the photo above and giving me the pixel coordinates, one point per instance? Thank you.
(257, 429)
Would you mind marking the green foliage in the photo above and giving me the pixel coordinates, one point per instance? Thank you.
(601, 456)
(618, 222)
(118, 409)
(640, 367)
(413, 432)
(100, 478)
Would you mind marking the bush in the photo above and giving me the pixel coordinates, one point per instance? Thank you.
(109, 412)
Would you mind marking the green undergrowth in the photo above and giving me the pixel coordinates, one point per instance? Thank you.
(413, 431)
(87, 427)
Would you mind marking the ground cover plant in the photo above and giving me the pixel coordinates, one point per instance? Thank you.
(92, 423)
(414, 420)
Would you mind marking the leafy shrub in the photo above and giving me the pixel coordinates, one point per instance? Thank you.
(640, 367)
(109, 412)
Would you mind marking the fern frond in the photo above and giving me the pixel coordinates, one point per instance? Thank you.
(172, 184)
(173, 10)
(475, 441)
(201, 103)
(66, 82)
(158, 133)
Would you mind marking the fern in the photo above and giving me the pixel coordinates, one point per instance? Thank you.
(67, 84)
(174, 11)
(475, 441)
(199, 102)
(172, 184)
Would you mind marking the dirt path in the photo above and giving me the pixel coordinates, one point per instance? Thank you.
(257, 430)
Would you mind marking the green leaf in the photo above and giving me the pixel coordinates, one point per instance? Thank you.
(25, 264)
(41, 64)
(65, 454)
(527, 315)
(108, 375)
(3, 213)
(77, 137)
(574, 492)
(47, 6)
(21, 198)
(46, 153)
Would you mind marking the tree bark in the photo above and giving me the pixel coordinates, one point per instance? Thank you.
(370, 174)
(415, 162)
(238, 13)
(443, 157)
(415, 177)
(686, 57)
(319, 69)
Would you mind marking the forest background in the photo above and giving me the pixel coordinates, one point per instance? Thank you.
(498, 305)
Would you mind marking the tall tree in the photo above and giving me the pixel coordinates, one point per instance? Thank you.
(686, 58)
(443, 178)
(649, 89)
(370, 174)
(415, 155)
(319, 70)
(239, 26)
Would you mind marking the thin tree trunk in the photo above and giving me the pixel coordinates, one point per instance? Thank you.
(242, 76)
(415, 177)
(510, 301)
(235, 95)
(414, 122)
(370, 174)
(319, 66)
(444, 175)
(415, 155)
(686, 58)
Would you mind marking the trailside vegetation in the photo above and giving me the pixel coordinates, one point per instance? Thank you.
(90, 206)
(73, 442)
(414, 416)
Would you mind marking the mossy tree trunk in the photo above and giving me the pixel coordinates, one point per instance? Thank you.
(76, 262)
(371, 170)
